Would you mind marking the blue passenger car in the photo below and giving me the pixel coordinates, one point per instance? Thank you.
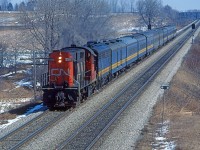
(118, 55)
(157, 39)
(165, 34)
(149, 41)
(131, 49)
(103, 53)
(160, 32)
(142, 44)
(171, 32)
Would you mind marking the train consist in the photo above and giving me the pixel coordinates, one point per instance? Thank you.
(74, 73)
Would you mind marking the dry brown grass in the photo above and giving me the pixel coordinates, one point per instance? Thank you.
(182, 107)
(8, 90)
(5, 117)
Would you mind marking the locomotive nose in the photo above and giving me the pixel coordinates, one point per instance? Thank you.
(61, 69)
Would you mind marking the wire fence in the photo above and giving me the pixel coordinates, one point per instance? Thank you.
(20, 76)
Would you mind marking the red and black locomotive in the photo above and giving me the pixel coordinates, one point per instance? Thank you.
(71, 76)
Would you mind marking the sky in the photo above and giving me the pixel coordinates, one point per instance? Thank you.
(16, 1)
(180, 5)
(183, 5)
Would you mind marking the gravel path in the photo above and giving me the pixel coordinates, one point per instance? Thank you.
(55, 135)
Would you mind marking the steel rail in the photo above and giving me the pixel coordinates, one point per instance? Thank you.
(20, 136)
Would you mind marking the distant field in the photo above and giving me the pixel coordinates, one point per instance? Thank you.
(9, 18)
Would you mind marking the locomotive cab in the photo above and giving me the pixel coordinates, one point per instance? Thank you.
(69, 71)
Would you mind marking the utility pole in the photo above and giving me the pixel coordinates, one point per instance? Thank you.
(34, 70)
(34, 75)
(15, 60)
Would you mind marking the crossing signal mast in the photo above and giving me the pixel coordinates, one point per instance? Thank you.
(193, 28)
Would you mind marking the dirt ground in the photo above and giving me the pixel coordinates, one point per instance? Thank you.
(8, 86)
(180, 107)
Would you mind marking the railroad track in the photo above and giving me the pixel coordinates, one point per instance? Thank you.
(23, 134)
(90, 132)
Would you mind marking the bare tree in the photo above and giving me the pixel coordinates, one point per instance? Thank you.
(4, 4)
(58, 23)
(113, 5)
(123, 6)
(171, 15)
(3, 47)
(149, 11)
(22, 6)
(88, 22)
(43, 24)
(132, 4)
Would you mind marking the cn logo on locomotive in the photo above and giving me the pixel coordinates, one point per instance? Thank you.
(59, 72)
(68, 59)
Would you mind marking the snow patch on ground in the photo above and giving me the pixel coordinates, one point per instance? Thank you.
(30, 111)
(10, 73)
(24, 82)
(11, 121)
(161, 142)
(7, 106)
(133, 29)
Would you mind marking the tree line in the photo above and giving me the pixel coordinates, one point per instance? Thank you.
(79, 21)
(5, 5)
